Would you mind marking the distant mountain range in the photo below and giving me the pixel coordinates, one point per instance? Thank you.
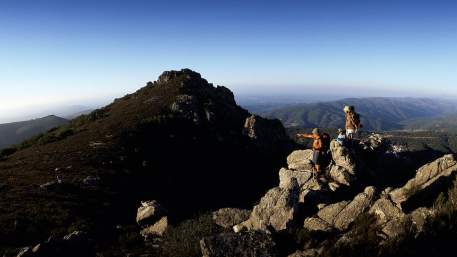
(16, 132)
(376, 113)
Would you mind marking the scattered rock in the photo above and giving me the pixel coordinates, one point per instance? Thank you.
(149, 213)
(91, 181)
(72, 245)
(229, 217)
(249, 244)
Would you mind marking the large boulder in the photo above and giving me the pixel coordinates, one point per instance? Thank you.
(155, 230)
(342, 157)
(385, 210)
(149, 212)
(331, 211)
(229, 217)
(341, 175)
(277, 210)
(358, 205)
(342, 214)
(285, 177)
(426, 176)
(249, 244)
(300, 160)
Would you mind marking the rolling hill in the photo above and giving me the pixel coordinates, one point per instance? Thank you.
(376, 113)
(16, 132)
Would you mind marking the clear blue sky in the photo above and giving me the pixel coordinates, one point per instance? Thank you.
(70, 50)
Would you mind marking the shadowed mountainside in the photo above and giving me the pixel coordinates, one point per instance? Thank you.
(179, 140)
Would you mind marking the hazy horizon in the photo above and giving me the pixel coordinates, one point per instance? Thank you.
(62, 53)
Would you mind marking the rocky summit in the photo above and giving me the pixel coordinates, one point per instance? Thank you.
(178, 169)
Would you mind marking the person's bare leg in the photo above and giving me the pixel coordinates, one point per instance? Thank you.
(318, 170)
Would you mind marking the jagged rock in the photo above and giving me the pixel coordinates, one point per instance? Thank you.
(341, 175)
(277, 210)
(149, 212)
(420, 216)
(25, 252)
(425, 176)
(155, 230)
(264, 130)
(342, 157)
(385, 210)
(300, 160)
(361, 202)
(302, 177)
(306, 253)
(229, 217)
(331, 211)
(316, 224)
(249, 244)
(396, 227)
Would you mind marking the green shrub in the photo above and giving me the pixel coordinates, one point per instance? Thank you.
(184, 239)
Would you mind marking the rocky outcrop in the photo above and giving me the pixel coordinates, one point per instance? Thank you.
(344, 168)
(156, 229)
(229, 217)
(277, 210)
(425, 177)
(249, 244)
(264, 130)
(149, 212)
(317, 224)
(151, 217)
(341, 215)
(358, 205)
(300, 160)
(385, 211)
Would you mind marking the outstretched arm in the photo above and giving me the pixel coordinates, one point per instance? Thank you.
(299, 135)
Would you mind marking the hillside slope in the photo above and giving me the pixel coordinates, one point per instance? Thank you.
(179, 140)
(16, 132)
(376, 113)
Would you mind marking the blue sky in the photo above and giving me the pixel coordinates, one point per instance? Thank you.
(78, 52)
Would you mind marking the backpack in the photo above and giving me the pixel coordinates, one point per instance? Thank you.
(356, 120)
(325, 138)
